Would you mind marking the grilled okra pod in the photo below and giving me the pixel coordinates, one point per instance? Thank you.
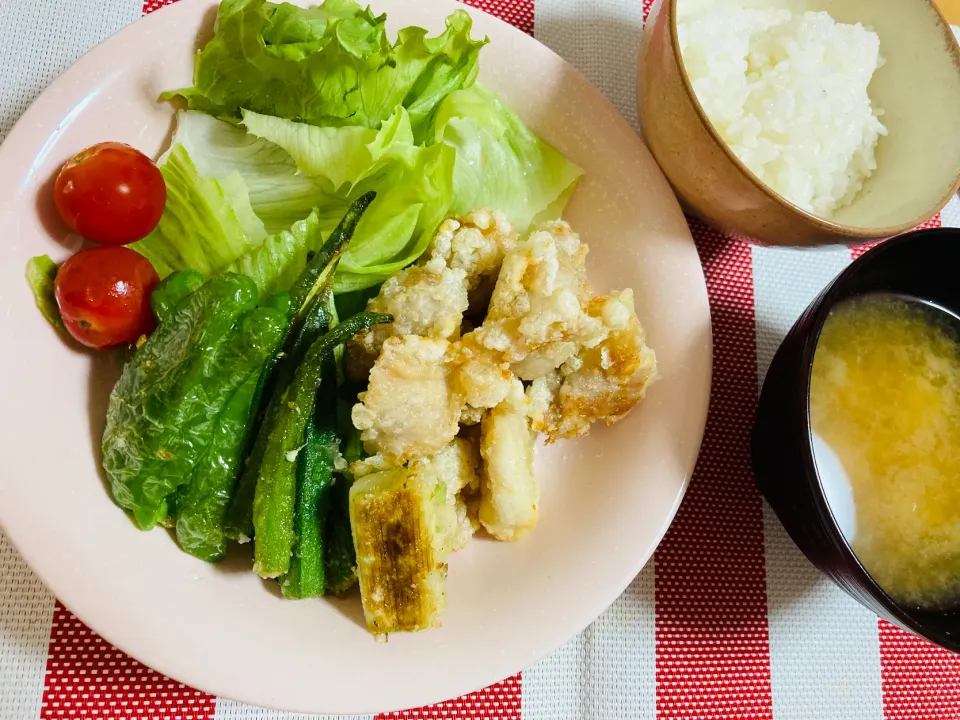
(273, 506)
(310, 298)
(306, 577)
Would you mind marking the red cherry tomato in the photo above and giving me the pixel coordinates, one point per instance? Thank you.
(111, 194)
(104, 296)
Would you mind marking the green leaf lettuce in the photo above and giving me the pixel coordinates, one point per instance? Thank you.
(331, 65)
(501, 164)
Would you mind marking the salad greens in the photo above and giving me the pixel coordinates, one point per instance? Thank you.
(277, 262)
(297, 112)
(414, 186)
(278, 194)
(501, 164)
(330, 65)
(206, 223)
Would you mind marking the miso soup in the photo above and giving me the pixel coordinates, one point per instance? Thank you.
(885, 418)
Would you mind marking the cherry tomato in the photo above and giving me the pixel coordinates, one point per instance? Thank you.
(104, 296)
(111, 194)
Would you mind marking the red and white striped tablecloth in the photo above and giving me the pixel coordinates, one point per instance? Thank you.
(728, 621)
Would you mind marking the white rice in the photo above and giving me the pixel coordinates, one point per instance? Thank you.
(788, 93)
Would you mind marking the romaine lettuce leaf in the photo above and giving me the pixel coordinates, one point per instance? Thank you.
(501, 164)
(278, 194)
(413, 185)
(282, 170)
(276, 263)
(207, 223)
(330, 65)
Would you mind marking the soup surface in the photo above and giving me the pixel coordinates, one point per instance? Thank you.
(885, 417)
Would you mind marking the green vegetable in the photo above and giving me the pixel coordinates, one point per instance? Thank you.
(171, 292)
(321, 109)
(278, 194)
(169, 398)
(334, 156)
(501, 164)
(202, 504)
(201, 230)
(414, 187)
(308, 297)
(330, 65)
(206, 224)
(315, 481)
(41, 275)
(320, 269)
(329, 169)
(340, 557)
(238, 523)
(353, 302)
(278, 261)
(273, 507)
(307, 577)
(315, 323)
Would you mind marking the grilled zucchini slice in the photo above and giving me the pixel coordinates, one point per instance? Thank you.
(399, 554)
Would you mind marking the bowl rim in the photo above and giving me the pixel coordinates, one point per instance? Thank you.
(864, 233)
(819, 311)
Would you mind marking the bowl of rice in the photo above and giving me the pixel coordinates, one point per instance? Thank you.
(804, 122)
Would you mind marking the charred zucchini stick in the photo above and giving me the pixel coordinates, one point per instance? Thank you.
(283, 433)
(401, 573)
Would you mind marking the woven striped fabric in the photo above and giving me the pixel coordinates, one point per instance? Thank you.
(728, 621)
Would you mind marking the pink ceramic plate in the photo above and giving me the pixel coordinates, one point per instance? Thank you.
(607, 499)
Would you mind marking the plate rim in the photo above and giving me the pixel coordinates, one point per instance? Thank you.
(480, 680)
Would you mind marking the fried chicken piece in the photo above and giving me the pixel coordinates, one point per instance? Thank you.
(509, 493)
(429, 303)
(604, 382)
(474, 243)
(411, 406)
(483, 378)
(535, 320)
(471, 416)
(457, 468)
